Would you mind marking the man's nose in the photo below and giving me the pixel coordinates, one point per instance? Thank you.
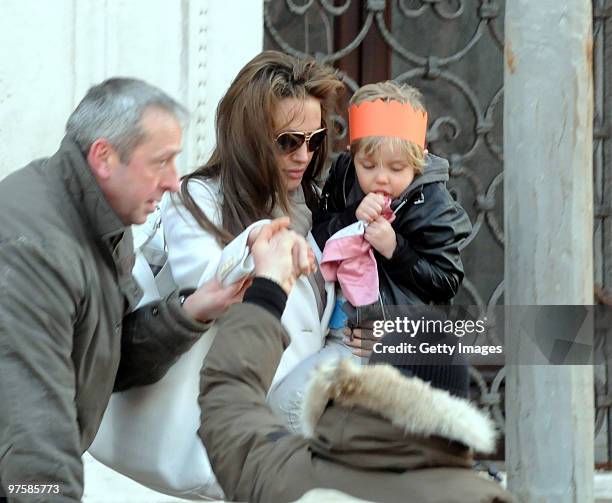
(170, 180)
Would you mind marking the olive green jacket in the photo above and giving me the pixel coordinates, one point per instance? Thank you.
(68, 332)
(368, 431)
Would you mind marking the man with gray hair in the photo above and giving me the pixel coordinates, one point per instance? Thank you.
(69, 331)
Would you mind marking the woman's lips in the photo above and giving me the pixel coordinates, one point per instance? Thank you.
(295, 173)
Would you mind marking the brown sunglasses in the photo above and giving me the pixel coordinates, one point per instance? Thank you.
(290, 141)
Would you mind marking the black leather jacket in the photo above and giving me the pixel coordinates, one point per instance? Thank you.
(430, 227)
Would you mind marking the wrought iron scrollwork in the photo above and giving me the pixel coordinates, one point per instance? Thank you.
(443, 8)
(302, 10)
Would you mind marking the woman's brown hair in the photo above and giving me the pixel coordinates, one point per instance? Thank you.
(243, 160)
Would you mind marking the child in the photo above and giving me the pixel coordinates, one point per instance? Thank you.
(417, 251)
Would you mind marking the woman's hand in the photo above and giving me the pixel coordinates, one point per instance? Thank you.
(370, 207)
(360, 340)
(282, 256)
(277, 224)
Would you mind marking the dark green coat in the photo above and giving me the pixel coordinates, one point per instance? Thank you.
(68, 337)
(368, 431)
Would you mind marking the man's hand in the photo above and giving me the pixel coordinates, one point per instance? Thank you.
(212, 299)
(381, 236)
(282, 256)
(370, 207)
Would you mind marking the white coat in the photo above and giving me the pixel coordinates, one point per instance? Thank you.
(150, 433)
(195, 256)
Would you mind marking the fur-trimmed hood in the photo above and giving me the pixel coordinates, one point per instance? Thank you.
(377, 408)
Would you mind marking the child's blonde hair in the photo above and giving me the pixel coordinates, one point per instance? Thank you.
(390, 91)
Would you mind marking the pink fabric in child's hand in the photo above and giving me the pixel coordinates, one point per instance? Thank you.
(348, 259)
(387, 212)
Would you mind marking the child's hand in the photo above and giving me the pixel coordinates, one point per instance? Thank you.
(381, 236)
(370, 207)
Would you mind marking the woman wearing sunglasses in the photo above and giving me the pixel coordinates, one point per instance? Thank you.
(271, 150)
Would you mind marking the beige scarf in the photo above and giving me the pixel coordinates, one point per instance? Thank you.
(301, 222)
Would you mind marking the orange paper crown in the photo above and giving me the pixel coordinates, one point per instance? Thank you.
(387, 118)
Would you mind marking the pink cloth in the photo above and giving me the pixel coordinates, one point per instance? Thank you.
(387, 212)
(348, 258)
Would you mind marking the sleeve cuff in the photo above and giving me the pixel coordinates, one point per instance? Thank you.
(267, 294)
(185, 323)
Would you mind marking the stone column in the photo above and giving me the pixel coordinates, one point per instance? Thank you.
(548, 207)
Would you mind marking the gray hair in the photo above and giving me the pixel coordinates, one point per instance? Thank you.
(113, 110)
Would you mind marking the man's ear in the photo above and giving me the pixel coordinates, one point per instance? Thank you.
(101, 158)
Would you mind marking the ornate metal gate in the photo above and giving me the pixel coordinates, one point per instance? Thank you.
(452, 50)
